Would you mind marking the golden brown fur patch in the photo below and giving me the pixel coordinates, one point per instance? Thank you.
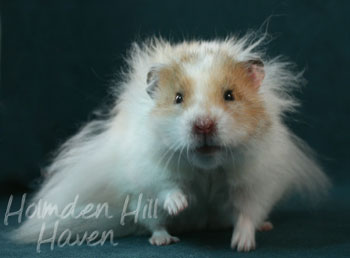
(172, 80)
(247, 109)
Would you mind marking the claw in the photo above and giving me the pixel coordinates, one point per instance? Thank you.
(175, 202)
(162, 237)
(243, 237)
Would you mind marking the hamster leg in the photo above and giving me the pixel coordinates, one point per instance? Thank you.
(251, 208)
(244, 234)
(162, 237)
(174, 201)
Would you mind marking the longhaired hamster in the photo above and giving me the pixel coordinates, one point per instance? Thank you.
(197, 133)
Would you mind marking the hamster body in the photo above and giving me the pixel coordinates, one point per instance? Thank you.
(197, 126)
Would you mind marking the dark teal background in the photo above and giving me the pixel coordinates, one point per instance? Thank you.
(57, 59)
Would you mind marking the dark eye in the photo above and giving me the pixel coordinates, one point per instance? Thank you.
(228, 95)
(179, 98)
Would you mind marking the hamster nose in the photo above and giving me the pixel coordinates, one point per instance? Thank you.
(204, 126)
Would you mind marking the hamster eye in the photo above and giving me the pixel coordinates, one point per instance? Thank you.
(179, 98)
(228, 95)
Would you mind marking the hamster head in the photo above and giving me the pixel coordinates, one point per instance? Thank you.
(207, 105)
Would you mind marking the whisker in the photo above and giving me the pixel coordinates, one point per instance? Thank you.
(178, 159)
(169, 149)
(171, 156)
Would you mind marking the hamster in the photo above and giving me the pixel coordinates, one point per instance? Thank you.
(197, 130)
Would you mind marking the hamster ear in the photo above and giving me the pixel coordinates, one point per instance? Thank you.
(152, 81)
(256, 72)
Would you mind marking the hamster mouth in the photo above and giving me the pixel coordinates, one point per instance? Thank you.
(207, 149)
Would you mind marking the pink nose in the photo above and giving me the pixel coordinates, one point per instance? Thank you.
(204, 126)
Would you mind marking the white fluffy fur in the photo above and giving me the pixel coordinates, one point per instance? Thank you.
(133, 152)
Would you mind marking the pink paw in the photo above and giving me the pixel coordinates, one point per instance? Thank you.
(243, 237)
(175, 202)
(266, 226)
(162, 237)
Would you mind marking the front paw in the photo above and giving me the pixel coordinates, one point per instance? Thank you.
(243, 237)
(175, 202)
